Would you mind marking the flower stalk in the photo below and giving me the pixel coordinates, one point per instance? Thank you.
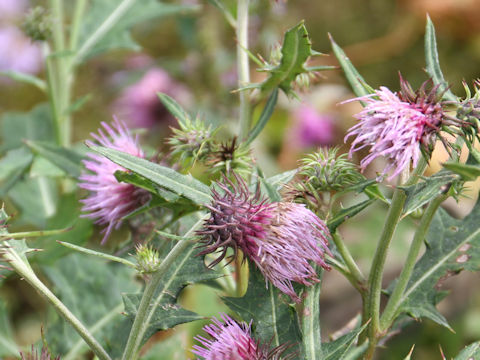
(396, 298)
(25, 271)
(243, 67)
(145, 311)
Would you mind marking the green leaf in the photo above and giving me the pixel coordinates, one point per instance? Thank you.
(15, 127)
(296, 49)
(160, 175)
(25, 78)
(466, 171)
(344, 214)
(187, 269)
(42, 167)
(107, 23)
(12, 167)
(264, 117)
(338, 349)
(358, 84)
(175, 109)
(423, 192)
(453, 246)
(91, 288)
(433, 64)
(471, 352)
(7, 343)
(66, 159)
(270, 310)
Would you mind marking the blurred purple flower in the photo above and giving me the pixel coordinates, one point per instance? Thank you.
(397, 127)
(109, 200)
(280, 238)
(230, 341)
(11, 9)
(313, 129)
(139, 103)
(18, 53)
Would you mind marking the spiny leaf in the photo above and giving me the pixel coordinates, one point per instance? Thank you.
(271, 312)
(338, 349)
(164, 177)
(423, 192)
(175, 109)
(433, 64)
(471, 352)
(344, 214)
(466, 171)
(358, 84)
(453, 246)
(296, 49)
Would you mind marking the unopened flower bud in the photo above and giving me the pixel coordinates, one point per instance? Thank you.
(38, 24)
(147, 258)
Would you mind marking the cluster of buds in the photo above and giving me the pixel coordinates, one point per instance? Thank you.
(469, 111)
(280, 238)
(232, 340)
(322, 173)
(229, 157)
(192, 141)
(37, 24)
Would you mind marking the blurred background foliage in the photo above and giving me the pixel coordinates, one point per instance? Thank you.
(191, 57)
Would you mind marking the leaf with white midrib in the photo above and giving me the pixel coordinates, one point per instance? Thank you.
(160, 175)
(453, 246)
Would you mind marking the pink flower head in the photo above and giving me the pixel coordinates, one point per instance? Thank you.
(233, 341)
(280, 238)
(139, 103)
(229, 341)
(109, 200)
(397, 127)
(313, 129)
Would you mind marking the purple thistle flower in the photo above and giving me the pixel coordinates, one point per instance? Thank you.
(312, 128)
(280, 238)
(231, 340)
(398, 127)
(109, 200)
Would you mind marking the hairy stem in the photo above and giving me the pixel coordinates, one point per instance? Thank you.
(25, 271)
(243, 66)
(372, 309)
(311, 322)
(392, 306)
(145, 312)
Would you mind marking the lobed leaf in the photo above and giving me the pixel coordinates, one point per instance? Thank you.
(453, 246)
(471, 352)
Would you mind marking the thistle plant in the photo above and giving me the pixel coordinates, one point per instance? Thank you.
(226, 233)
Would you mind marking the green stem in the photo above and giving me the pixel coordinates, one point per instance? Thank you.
(372, 308)
(145, 311)
(26, 272)
(243, 66)
(311, 323)
(78, 12)
(347, 257)
(419, 237)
